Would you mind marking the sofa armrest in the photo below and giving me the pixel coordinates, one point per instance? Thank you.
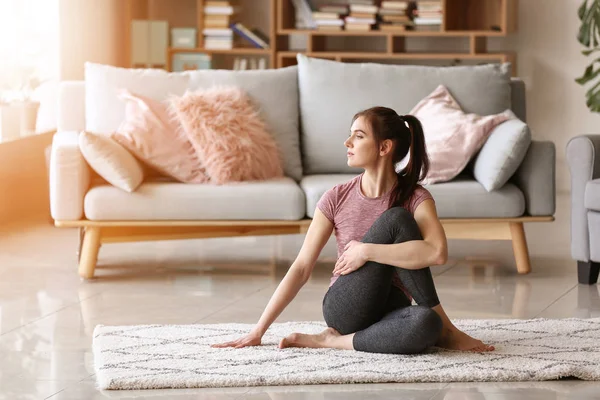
(583, 157)
(69, 177)
(536, 177)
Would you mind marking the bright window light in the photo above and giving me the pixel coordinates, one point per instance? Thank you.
(29, 51)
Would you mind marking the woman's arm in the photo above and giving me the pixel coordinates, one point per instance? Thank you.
(415, 254)
(318, 234)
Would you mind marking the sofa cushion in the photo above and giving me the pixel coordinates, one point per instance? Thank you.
(104, 112)
(452, 137)
(592, 195)
(111, 161)
(502, 153)
(332, 92)
(280, 199)
(230, 138)
(275, 92)
(152, 133)
(462, 197)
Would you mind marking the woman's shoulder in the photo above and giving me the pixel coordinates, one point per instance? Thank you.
(419, 195)
(421, 191)
(330, 201)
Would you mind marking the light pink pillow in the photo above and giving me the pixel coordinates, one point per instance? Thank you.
(452, 137)
(154, 136)
(228, 135)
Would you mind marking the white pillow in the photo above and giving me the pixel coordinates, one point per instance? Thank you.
(502, 153)
(104, 111)
(111, 161)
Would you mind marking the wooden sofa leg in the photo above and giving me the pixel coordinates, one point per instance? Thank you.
(519, 242)
(89, 252)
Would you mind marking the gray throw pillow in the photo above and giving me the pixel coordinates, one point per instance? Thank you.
(502, 153)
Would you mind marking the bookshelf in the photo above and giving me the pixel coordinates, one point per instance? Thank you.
(191, 14)
(468, 23)
(471, 22)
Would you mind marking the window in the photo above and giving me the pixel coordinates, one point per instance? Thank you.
(29, 53)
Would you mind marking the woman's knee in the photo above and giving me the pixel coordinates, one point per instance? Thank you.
(396, 224)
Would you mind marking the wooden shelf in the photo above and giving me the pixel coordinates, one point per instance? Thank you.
(398, 56)
(238, 51)
(314, 32)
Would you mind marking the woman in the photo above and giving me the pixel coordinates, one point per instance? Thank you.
(368, 307)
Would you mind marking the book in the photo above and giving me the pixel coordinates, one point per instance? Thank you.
(217, 32)
(249, 36)
(334, 8)
(217, 44)
(227, 10)
(360, 8)
(354, 20)
(330, 22)
(396, 5)
(358, 27)
(329, 28)
(325, 15)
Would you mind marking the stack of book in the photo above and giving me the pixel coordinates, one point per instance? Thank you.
(330, 17)
(218, 15)
(428, 15)
(394, 15)
(363, 15)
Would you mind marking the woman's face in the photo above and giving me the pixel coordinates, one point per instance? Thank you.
(360, 144)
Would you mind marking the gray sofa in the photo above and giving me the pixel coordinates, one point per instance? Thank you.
(309, 108)
(583, 157)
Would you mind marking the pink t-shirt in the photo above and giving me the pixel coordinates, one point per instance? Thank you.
(352, 213)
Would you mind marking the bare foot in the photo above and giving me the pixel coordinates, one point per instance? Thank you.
(319, 340)
(458, 340)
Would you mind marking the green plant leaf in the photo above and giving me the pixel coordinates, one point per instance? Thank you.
(588, 52)
(581, 10)
(586, 75)
(593, 99)
(585, 30)
(589, 36)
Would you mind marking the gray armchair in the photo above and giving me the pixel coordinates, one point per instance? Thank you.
(583, 157)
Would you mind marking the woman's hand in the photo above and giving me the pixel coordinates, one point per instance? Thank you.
(251, 339)
(352, 259)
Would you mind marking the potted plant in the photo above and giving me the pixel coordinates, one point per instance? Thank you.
(589, 36)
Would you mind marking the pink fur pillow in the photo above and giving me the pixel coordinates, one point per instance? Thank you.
(452, 137)
(228, 135)
(154, 136)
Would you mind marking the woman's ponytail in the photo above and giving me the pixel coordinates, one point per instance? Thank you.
(418, 163)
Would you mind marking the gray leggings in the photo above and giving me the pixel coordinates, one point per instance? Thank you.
(366, 303)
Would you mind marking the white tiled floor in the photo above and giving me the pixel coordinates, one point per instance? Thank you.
(47, 314)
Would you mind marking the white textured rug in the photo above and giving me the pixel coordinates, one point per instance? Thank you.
(180, 356)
